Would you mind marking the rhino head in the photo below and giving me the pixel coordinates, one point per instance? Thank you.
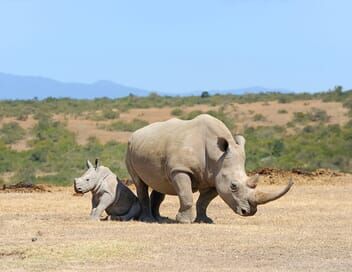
(232, 183)
(89, 180)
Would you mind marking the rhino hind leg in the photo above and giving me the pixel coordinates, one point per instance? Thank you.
(205, 197)
(133, 213)
(183, 186)
(144, 200)
(156, 199)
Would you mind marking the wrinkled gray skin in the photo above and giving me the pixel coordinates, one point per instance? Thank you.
(179, 157)
(108, 193)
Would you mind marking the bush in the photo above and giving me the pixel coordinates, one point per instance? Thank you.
(12, 132)
(315, 115)
(282, 111)
(284, 100)
(259, 117)
(110, 114)
(177, 112)
(192, 115)
(26, 175)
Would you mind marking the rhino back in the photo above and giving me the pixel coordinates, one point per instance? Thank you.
(160, 148)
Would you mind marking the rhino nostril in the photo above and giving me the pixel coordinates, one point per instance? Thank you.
(244, 211)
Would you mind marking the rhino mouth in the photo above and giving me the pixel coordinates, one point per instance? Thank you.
(246, 212)
(78, 191)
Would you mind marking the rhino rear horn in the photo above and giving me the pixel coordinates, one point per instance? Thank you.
(263, 197)
(253, 181)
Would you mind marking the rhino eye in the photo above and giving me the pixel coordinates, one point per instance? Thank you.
(87, 179)
(234, 187)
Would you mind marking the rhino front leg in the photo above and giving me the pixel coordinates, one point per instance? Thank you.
(156, 199)
(205, 197)
(183, 187)
(99, 206)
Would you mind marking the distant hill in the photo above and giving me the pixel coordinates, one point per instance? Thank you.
(28, 87)
(240, 91)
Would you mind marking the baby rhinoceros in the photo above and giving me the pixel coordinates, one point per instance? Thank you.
(109, 194)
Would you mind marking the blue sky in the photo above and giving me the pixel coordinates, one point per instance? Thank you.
(181, 46)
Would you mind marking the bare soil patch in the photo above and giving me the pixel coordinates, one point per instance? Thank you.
(317, 177)
(25, 188)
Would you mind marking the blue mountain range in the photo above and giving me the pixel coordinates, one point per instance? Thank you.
(29, 87)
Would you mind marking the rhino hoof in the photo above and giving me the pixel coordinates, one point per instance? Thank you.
(204, 219)
(161, 219)
(183, 218)
(147, 219)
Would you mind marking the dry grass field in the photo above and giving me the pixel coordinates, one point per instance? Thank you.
(310, 229)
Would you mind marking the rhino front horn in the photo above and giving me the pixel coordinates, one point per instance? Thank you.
(263, 197)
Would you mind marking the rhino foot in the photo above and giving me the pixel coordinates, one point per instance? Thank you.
(147, 219)
(204, 219)
(184, 217)
(162, 219)
(94, 218)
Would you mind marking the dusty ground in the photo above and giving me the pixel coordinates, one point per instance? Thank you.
(307, 230)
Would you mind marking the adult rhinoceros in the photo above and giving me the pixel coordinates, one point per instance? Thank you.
(178, 157)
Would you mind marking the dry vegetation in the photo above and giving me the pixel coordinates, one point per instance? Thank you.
(307, 230)
(85, 127)
(46, 228)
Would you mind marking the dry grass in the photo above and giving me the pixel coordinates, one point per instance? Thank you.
(308, 230)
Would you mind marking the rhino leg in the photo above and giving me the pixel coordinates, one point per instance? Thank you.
(205, 197)
(144, 200)
(99, 207)
(131, 214)
(156, 199)
(183, 186)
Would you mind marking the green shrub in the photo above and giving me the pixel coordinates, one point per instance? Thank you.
(12, 132)
(25, 174)
(110, 114)
(284, 99)
(315, 115)
(282, 111)
(177, 112)
(259, 117)
(191, 115)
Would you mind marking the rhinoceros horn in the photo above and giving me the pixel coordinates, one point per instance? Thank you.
(253, 181)
(263, 197)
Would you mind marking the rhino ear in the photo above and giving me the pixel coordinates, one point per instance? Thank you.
(240, 140)
(97, 164)
(89, 164)
(223, 144)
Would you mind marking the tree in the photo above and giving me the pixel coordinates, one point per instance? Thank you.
(205, 94)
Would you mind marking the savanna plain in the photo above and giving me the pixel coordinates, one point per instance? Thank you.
(46, 228)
